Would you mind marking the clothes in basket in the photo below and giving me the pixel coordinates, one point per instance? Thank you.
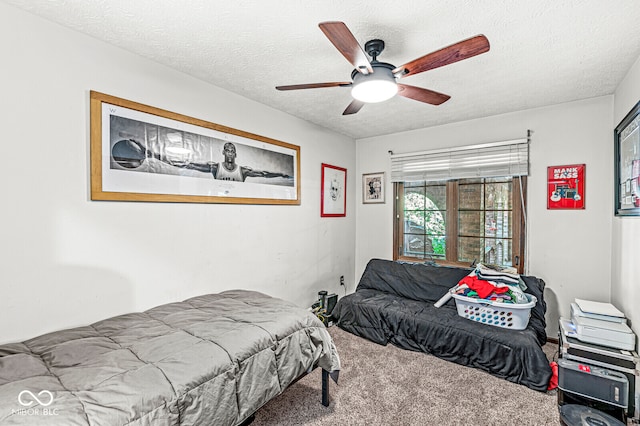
(498, 314)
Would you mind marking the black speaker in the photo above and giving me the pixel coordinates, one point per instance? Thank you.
(330, 302)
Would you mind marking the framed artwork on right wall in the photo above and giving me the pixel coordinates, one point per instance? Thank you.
(627, 164)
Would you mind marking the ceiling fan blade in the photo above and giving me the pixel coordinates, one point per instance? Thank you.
(353, 107)
(314, 85)
(422, 95)
(346, 43)
(448, 55)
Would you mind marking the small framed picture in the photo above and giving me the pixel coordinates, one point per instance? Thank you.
(566, 186)
(373, 188)
(333, 192)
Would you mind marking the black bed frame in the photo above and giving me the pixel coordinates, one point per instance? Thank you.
(325, 387)
(325, 394)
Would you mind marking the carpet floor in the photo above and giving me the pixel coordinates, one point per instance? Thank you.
(386, 385)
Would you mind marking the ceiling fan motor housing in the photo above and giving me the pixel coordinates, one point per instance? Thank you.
(378, 68)
(374, 48)
(377, 86)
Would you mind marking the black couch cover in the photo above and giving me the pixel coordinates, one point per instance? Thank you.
(394, 303)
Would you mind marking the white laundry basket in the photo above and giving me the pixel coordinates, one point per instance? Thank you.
(506, 315)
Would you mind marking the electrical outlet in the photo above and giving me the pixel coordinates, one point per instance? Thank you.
(341, 279)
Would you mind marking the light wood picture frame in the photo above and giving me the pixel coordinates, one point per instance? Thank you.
(143, 153)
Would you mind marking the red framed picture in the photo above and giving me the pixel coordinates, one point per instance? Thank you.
(565, 186)
(333, 191)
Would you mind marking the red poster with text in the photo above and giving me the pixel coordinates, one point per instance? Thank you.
(565, 187)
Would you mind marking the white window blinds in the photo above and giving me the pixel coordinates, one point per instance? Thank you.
(506, 158)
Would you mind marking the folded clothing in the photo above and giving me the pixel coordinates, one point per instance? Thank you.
(500, 278)
(498, 269)
(482, 287)
(494, 283)
(508, 275)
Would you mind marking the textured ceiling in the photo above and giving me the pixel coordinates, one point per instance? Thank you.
(542, 52)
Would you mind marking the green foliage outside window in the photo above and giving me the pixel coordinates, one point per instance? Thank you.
(424, 223)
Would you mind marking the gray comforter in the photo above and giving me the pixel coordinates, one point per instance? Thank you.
(210, 360)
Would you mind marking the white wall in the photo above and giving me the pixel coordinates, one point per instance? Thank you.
(569, 249)
(68, 261)
(625, 250)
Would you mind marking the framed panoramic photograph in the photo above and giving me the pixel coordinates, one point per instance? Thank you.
(143, 153)
(333, 191)
(566, 186)
(627, 164)
(373, 188)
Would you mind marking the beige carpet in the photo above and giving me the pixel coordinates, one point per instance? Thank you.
(385, 385)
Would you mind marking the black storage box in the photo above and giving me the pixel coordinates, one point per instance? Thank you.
(608, 386)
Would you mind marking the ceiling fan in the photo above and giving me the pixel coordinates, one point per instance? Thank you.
(374, 81)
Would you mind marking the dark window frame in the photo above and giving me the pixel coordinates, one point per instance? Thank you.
(451, 254)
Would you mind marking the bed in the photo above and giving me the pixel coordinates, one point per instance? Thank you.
(394, 303)
(209, 360)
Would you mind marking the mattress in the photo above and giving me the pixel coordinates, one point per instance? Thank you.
(212, 359)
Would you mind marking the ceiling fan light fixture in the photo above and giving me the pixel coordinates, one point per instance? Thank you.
(375, 87)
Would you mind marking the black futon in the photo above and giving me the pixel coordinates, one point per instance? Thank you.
(394, 302)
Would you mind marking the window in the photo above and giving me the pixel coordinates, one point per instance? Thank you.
(461, 221)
